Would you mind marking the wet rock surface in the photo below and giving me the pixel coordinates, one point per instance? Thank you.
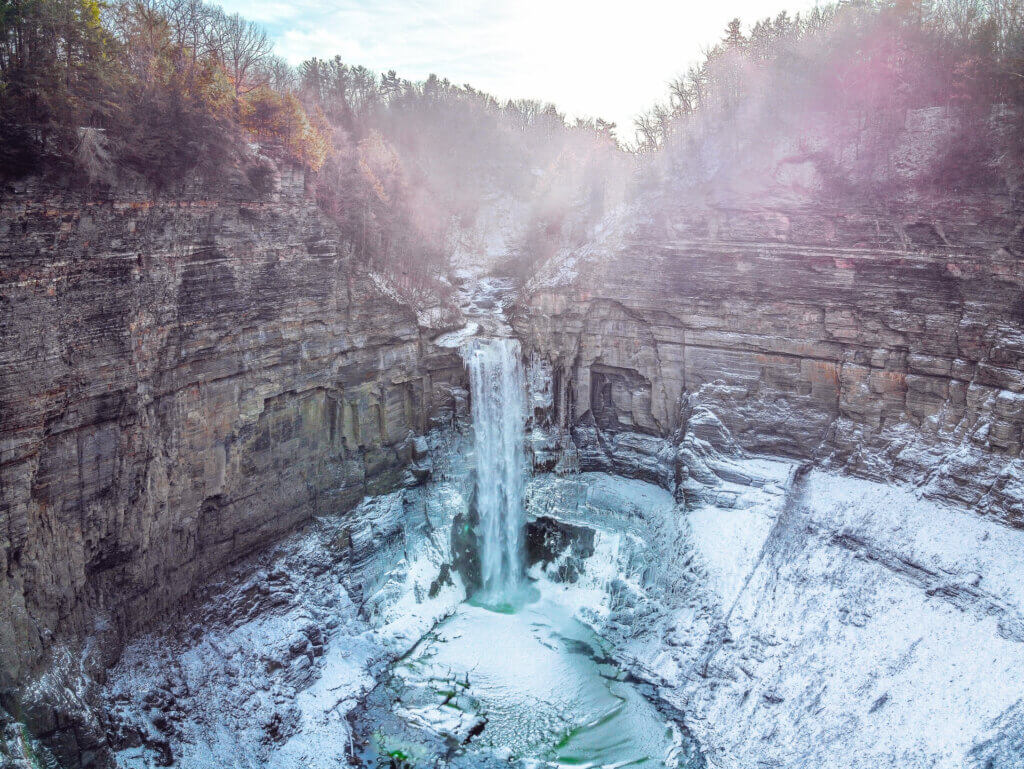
(552, 542)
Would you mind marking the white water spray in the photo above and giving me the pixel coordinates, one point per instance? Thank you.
(499, 415)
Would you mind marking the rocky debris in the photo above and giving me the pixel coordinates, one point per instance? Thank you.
(558, 547)
(630, 454)
(488, 302)
(697, 463)
(465, 547)
(267, 667)
(232, 669)
(59, 712)
(1006, 745)
(19, 749)
(421, 467)
(546, 449)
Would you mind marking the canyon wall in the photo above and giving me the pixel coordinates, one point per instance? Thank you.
(887, 341)
(182, 381)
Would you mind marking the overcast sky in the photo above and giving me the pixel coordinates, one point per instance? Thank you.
(592, 58)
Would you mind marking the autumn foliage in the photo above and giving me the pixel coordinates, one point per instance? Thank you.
(163, 88)
(278, 120)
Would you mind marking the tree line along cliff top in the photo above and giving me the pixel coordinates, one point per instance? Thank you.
(160, 91)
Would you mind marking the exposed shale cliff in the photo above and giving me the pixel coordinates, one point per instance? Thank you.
(888, 342)
(182, 381)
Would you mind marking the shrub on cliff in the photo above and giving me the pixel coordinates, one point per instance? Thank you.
(278, 120)
(56, 74)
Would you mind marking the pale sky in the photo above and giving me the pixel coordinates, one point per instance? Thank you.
(591, 58)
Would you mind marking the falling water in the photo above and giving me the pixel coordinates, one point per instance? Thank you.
(499, 414)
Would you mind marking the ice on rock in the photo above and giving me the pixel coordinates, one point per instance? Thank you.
(533, 684)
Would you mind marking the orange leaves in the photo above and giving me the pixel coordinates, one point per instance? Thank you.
(380, 167)
(279, 122)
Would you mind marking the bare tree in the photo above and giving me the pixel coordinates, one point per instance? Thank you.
(92, 155)
(190, 21)
(959, 17)
(1009, 18)
(278, 74)
(243, 47)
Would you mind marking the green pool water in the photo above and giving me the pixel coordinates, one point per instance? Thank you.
(518, 681)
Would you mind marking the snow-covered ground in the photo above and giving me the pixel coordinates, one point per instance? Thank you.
(265, 673)
(846, 624)
(876, 629)
(789, 620)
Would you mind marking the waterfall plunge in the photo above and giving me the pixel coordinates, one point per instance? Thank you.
(499, 414)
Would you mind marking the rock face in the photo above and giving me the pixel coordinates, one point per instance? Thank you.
(182, 381)
(890, 345)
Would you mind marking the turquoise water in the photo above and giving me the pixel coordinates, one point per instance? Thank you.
(526, 683)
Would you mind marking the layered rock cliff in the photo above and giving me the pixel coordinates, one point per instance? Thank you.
(183, 381)
(888, 342)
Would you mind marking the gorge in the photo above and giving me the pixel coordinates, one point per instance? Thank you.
(485, 439)
(705, 571)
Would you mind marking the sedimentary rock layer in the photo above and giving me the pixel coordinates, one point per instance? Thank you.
(891, 345)
(182, 381)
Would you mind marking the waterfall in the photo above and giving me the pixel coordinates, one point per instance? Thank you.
(499, 415)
